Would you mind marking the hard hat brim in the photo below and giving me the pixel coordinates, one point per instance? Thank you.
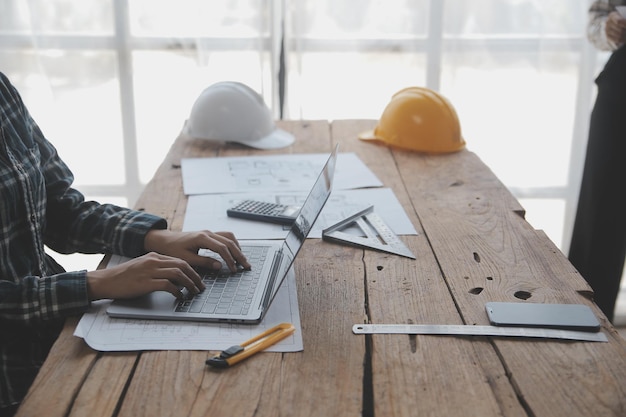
(277, 139)
(369, 135)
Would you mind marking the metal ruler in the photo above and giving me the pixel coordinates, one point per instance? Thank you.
(377, 234)
(465, 330)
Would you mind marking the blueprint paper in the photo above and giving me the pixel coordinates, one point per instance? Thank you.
(291, 172)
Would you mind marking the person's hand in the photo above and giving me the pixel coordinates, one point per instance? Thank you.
(142, 275)
(185, 245)
(615, 28)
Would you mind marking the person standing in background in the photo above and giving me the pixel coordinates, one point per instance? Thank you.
(598, 245)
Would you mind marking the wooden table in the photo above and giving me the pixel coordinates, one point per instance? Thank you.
(473, 246)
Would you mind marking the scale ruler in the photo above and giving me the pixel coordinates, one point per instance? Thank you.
(465, 330)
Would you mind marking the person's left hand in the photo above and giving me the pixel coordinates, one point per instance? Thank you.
(185, 245)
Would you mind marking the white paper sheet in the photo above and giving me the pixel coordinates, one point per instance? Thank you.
(291, 172)
(208, 212)
(104, 333)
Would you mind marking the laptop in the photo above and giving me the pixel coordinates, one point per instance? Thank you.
(243, 296)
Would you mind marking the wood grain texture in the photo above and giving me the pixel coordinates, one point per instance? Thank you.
(100, 393)
(473, 246)
(488, 252)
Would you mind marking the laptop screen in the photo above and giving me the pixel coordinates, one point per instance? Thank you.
(309, 212)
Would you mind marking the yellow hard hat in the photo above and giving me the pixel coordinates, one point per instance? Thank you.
(419, 119)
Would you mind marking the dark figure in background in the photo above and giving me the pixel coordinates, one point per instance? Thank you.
(598, 243)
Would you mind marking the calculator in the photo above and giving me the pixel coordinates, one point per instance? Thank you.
(264, 211)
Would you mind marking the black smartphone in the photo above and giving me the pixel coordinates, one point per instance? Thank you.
(264, 211)
(558, 316)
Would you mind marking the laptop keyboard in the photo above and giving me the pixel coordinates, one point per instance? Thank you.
(228, 292)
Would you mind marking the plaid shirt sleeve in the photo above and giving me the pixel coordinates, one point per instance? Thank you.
(598, 13)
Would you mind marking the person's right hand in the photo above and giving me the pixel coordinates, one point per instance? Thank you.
(142, 275)
(615, 28)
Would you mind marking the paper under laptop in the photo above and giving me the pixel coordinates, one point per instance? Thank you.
(270, 259)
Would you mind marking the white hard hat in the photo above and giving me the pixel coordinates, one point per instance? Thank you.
(230, 111)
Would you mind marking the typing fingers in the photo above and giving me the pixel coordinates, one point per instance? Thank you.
(225, 244)
(177, 279)
(175, 271)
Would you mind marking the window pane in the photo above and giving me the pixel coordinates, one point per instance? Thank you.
(345, 59)
(75, 100)
(349, 85)
(358, 19)
(524, 17)
(215, 18)
(56, 16)
(516, 114)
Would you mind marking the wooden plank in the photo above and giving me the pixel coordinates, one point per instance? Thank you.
(60, 377)
(98, 399)
(165, 383)
(465, 202)
(421, 374)
(326, 379)
(487, 252)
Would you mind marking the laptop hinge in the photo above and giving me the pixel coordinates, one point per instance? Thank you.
(278, 257)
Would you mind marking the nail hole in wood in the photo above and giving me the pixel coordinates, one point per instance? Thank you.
(522, 295)
(412, 340)
(476, 290)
